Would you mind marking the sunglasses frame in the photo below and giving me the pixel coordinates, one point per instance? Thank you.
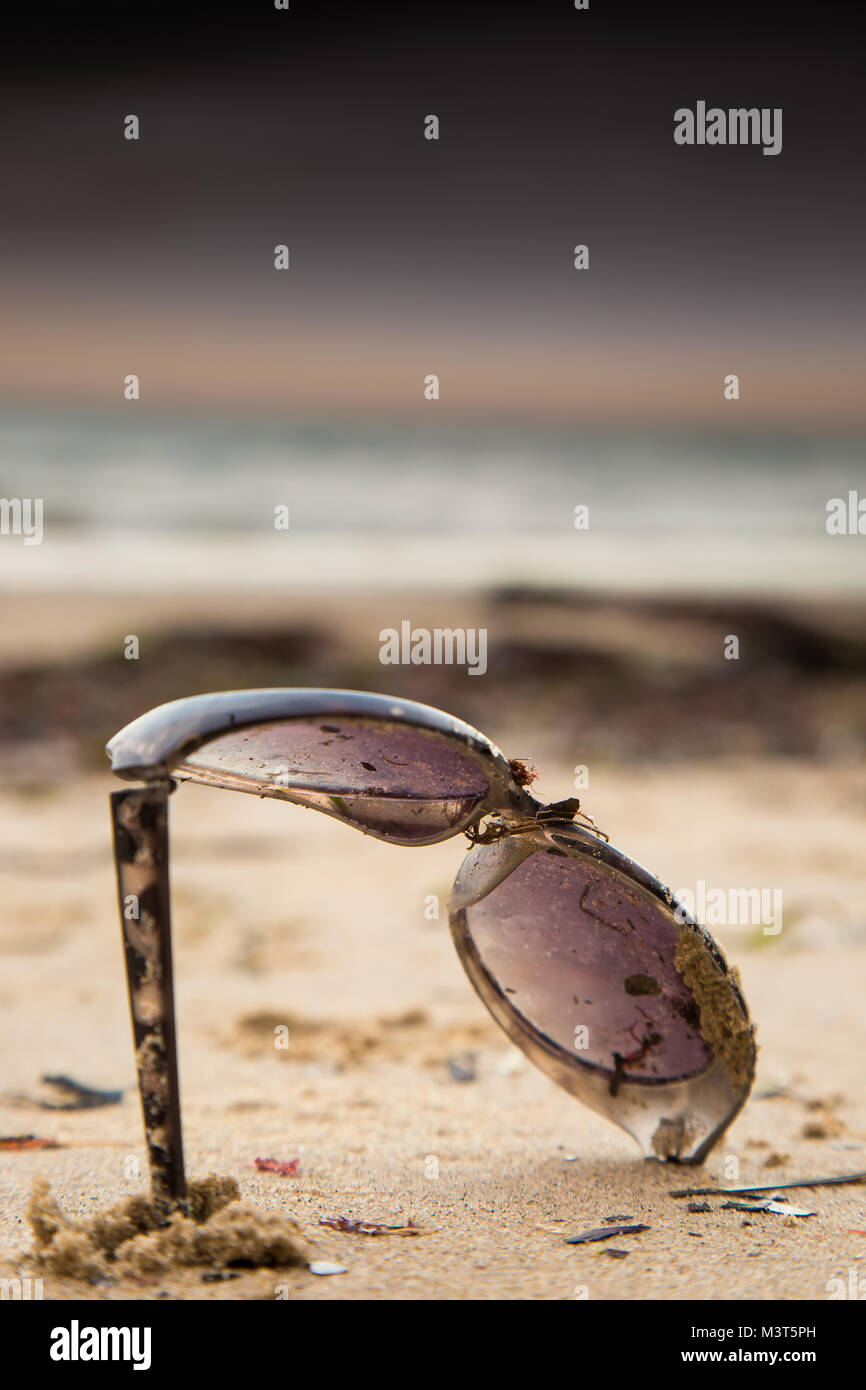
(154, 747)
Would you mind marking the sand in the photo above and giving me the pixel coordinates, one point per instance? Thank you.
(286, 919)
(210, 1230)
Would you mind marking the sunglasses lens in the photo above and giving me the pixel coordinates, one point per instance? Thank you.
(396, 782)
(588, 961)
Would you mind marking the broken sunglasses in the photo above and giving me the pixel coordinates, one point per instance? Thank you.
(583, 957)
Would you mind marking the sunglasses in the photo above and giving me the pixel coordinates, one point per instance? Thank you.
(585, 959)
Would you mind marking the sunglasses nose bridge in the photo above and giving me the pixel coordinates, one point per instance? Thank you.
(486, 866)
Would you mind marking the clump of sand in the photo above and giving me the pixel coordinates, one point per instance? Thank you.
(143, 1237)
(724, 1024)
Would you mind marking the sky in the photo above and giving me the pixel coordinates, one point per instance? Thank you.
(411, 256)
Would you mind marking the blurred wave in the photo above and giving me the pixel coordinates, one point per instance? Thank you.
(177, 472)
(373, 504)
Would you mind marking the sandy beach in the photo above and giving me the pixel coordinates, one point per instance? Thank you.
(511, 364)
(285, 918)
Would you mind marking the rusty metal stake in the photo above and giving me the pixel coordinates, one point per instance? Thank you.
(140, 823)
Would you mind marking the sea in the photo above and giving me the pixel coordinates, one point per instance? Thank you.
(204, 501)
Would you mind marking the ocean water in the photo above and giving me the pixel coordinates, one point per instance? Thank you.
(394, 504)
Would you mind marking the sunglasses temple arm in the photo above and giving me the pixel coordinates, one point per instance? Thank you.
(140, 824)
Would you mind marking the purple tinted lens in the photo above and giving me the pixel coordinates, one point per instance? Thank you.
(588, 961)
(397, 781)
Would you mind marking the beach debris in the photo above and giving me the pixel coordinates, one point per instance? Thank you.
(463, 1066)
(781, 1207)
(847, 1144)
(142, 1238)
(699, 1206)
(76, 1096)
(80, 1096)
(510, 1062)
(13, 1143)
(287, 1168)
(619, 1216)
(326, 1267)
(767, 1187)
(605, 1233)
(217, 1276)
(616, 1254)
(369, 1228)
(523, 771)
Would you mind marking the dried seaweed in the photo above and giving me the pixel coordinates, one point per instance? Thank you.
(78, 1095)
(605, 1233)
